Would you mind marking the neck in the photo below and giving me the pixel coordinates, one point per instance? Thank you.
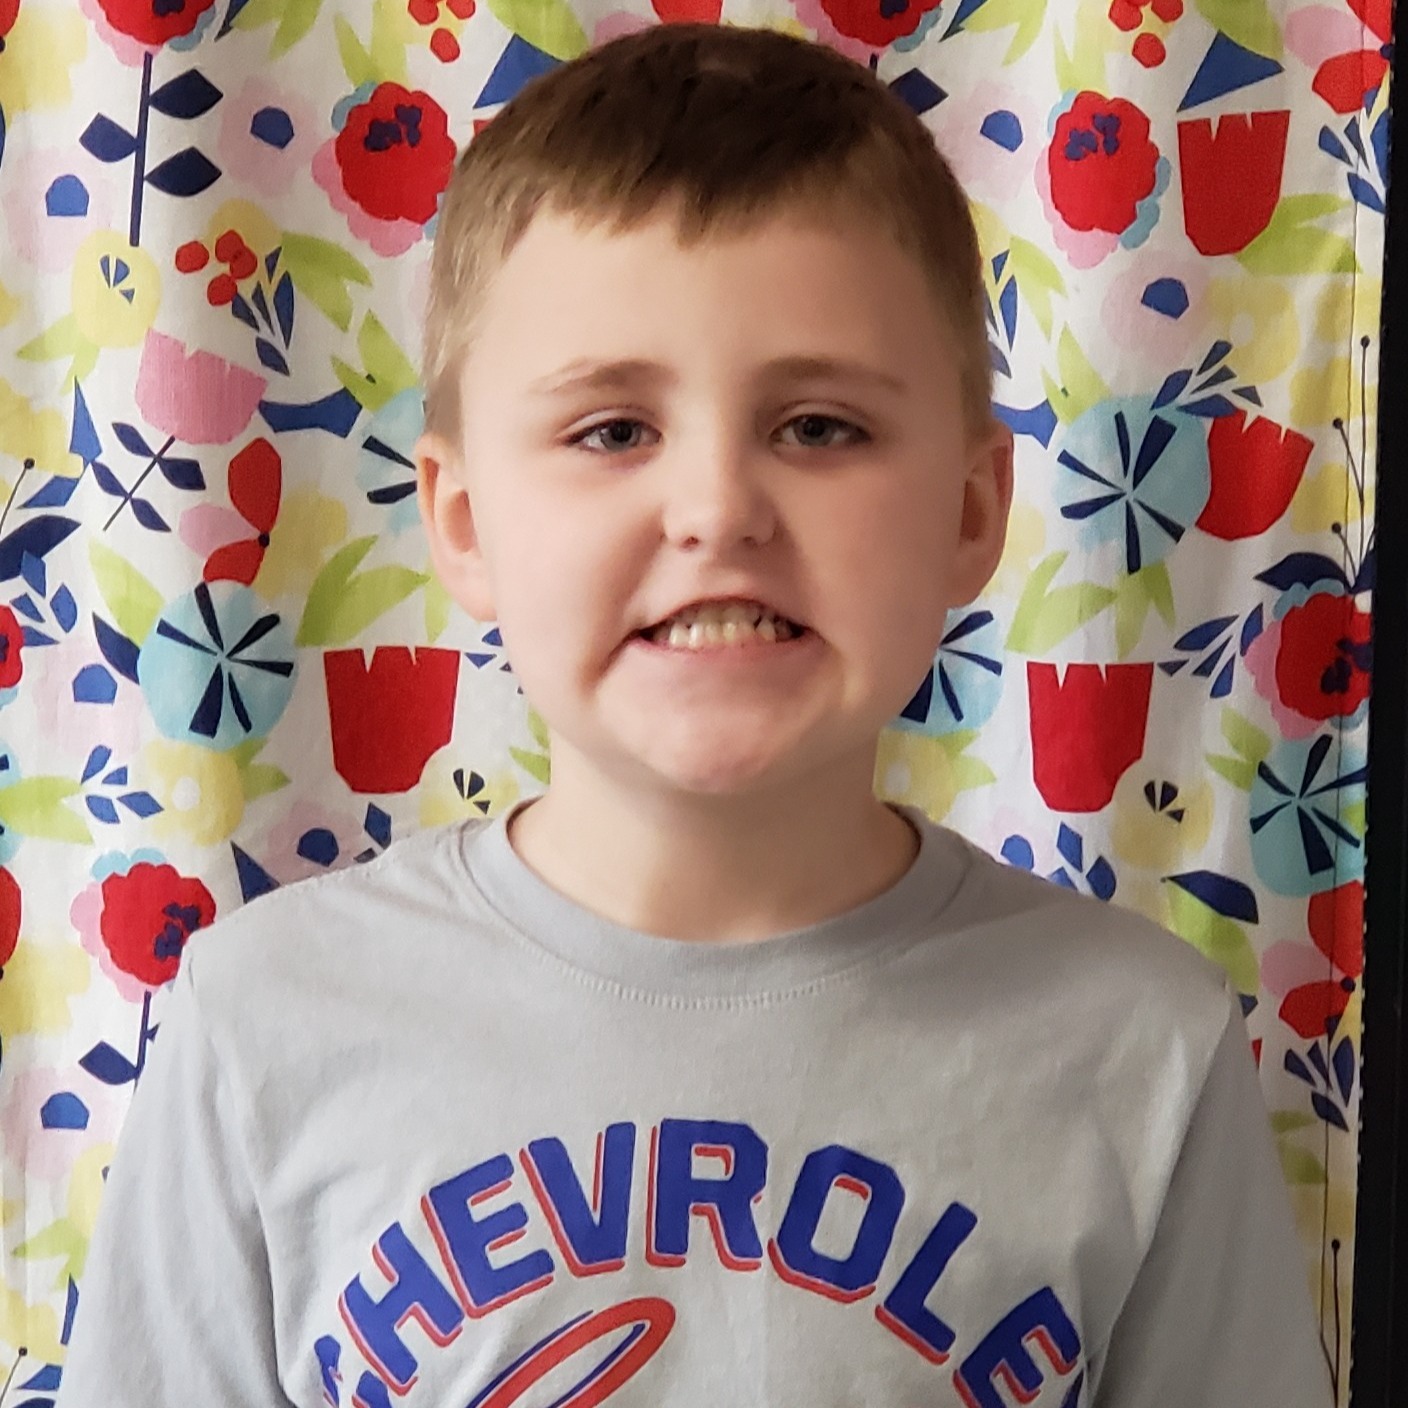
(724, 869)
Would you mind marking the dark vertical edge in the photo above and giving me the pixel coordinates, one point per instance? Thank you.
(1379, 1346)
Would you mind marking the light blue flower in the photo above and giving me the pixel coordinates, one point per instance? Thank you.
(1300, 846)
(962, 689)
(1134, 474)
(386, 467)
(9, 775)
(217, 667)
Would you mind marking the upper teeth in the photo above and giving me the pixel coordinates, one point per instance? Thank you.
(715, 623)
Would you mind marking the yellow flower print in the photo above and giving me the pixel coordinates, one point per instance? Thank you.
(85, 1188)
(200, 791)
(1327, 497)
(1026, 538)
(34, 1328)
(917, 770)
(41, 436)
(39, 981)
(9, 307)
(1320, 395)
(450, 791)
(40, 49)
(309, 526)
(116, 291)
(1338, 305)
(1158, 823)
(1258, 317)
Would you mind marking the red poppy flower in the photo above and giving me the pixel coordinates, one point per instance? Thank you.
(1343, 80)
(154, 21)
(878, 22)
(1102, 163)
(1337, 927)
(148, 914)
(256, 481)
(10, 909)
(1322, 665)
(395, 155)
(11, 646)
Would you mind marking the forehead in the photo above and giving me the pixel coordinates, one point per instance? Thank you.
(788, 286)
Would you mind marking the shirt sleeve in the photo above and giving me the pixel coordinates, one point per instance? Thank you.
(1220, 1313)
(175, 1304)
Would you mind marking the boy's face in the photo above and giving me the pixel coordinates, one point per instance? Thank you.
(772, 417)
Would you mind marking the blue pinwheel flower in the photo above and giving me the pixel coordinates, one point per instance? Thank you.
(217, 668)
(964, 684)
(1137, 474)
(1300, 845)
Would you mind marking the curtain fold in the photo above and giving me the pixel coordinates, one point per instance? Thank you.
(225, 666)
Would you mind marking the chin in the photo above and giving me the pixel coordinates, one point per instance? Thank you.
(715, 774)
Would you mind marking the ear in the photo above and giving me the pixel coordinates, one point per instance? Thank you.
(987, 501)
(445, 509)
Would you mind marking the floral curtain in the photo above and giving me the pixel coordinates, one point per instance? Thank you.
(224, 665)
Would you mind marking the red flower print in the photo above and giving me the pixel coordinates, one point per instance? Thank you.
(395, 154)
(1337, 927)
(1231, 178)
(11, 647)
(10, 909)
(1322, 666)
(877, 22)
(1256, 470)
(1087, 730)
(1343, 80)
(388, 718)
(256, 481)
(147, 916)
(1102, 163)
(154, 21)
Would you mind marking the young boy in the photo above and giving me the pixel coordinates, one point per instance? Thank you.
(705, 1078)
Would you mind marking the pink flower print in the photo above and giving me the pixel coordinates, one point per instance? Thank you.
(194, 396)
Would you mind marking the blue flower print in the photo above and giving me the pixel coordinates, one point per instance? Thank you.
(217, 668)
(9, 775)
(963, 686)
(1137, 474)
(1300, 843)
(386, 470)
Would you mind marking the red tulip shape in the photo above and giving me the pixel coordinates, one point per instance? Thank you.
(1087, 730)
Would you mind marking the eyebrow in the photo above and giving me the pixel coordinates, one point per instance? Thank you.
(586, 374)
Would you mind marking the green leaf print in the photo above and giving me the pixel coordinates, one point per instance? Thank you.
(1249, 23)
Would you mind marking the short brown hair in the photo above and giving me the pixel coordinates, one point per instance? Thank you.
(727, 124)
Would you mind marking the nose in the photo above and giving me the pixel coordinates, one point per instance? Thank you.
(715, 496)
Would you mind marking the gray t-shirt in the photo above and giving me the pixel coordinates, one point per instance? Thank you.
(425, 1132)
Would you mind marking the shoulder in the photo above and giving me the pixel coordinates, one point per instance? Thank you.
(1046, 949)
(330, 928)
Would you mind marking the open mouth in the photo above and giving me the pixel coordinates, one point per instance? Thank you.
(711, 625)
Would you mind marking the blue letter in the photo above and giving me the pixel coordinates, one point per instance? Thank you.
(726, 1202)
(465, 1241)
(1004, 1348)
(416, 1293)
(794, 1256)
(591, 1237)
(904, 1311)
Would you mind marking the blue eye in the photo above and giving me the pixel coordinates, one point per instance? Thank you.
(616, 435)
(820, 427)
